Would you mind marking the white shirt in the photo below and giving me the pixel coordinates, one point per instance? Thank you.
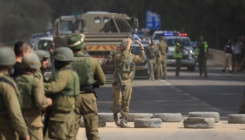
(237, 47)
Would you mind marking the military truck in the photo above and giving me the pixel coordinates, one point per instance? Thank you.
(104, 32)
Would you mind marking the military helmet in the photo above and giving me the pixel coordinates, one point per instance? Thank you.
(124, 43)
(32, 51)
(7, 56)
(31, 61)
(42, 54)
(76, 41)
(63, 54)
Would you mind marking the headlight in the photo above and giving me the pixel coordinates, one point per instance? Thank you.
(191, 51)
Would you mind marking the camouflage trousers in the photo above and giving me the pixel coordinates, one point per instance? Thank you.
(61, 125)
(86, 106)
(162, 63)
(121, 104)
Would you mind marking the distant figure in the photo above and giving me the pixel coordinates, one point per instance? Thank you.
(163, 49)
(237, 57)
(202, 54)
(48, 33)
(20, 49)
(228, 55)
(178, 54)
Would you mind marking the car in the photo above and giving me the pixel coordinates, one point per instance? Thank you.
(189, 59)
(35, 36)
(43, 43)
(141, 69)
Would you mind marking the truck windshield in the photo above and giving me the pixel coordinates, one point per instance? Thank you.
(67, 27)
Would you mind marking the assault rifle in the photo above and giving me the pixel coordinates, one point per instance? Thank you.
(121, 84)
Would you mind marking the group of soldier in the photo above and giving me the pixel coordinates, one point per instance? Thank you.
(156, 57)
(63, 98)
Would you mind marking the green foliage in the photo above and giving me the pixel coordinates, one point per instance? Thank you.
(23, 19)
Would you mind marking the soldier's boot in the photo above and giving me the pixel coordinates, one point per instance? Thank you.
(115, 118)
(123, 122)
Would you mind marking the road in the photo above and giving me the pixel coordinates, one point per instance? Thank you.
(220, 92)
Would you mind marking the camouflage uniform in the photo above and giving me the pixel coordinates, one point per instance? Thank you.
(89, 70)
(12, 124)
(121, 59)
(64, 87)
(163, 48)
(32, 98)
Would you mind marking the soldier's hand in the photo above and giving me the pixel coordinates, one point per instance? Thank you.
(50, 102)
(27, 138)
(129, 43)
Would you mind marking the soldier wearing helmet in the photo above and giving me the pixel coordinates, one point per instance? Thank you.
(64, 87)
(43, 57)
(91, 75)
(12, 122)
(32, 98)
(123, 65)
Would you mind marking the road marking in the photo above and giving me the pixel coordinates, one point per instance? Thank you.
(216, 109)
(194, 98)
(178, 90)
(205, 104)
(186, 94)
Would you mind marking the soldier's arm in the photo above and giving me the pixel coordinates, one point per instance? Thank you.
(39, 95)
(13, 106)
(58, 82)
(99, 74)
(140, 59)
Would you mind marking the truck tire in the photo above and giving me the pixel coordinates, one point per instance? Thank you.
(121, 23)
(168, 117)
(133, 116)
(214, 115)
(199, 122)
(236, 118)
(191, 68)
(148, 123)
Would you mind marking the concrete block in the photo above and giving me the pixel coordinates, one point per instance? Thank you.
(236, 118)
(199, 122)
(214, 115)
(168, 117)
(133, 116)
(148, 123)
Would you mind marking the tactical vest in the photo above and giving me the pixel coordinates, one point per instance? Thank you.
(124, 65)
(84, 69)
(177, 54)
(26, 86)
(205, 48)
(65, 99)
(3, 108)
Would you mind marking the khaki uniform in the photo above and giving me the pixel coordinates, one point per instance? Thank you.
(163, 47)
(32, 105)
(86, 102)
(12, 124)
(152, 55)
(119, 104)
(242, 107)
(64, 87)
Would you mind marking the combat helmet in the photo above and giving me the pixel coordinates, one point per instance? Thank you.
(63, 54)
(30, 61)
(42, 54)
(76, 41)
(124, 44)
(7, 56)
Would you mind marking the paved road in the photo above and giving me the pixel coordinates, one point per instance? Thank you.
(221, 92)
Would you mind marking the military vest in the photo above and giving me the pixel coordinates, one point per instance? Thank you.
(124, 65)
(84, 69)
(177, 54)
(65, 99)
(3, 108)
(26, 86)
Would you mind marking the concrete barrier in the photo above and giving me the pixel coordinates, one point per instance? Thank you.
(217, 56)
(148, 123)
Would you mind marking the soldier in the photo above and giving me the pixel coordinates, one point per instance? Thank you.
(152, 54)
(123, 63)
(64, 88)
(163, 49)
(202, 54)
(242, 107)
(13, 126)
(91, 75)
(20, 49)
(178, 54)
(43, 57)
(32, 98)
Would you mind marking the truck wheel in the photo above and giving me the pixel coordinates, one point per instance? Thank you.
(133, 73)
(191, 68)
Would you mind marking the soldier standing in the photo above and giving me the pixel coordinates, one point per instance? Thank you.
(123, 63)
(202, 54)
(32, 97)
(64, 88)
(13, 126)
(91, 75)
(178, 54)
(163, 49)
(43, 57)
(152, 53)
